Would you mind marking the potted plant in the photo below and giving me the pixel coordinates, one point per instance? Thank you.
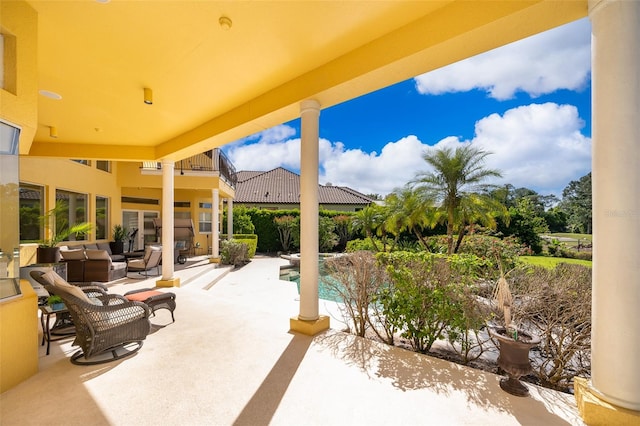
(60, 230)
(514, 344)
(55, 302)
(119, 235)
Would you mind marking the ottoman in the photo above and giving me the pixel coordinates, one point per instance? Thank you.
(154, 299)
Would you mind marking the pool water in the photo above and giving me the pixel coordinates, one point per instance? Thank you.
(324, 284)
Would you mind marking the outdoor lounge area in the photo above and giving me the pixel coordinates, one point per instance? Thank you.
(83, 124)
(229, 358)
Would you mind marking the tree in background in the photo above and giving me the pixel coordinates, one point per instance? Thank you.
(456, 175)
(526, 225)
(478, 209)
(327, 238)
(367, 221)
(576, 201)
(343, 230)
(242, 223)
(288, 226)
(408, 211)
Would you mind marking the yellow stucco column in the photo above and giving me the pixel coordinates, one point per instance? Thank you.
(616, 213)
(168, 280)
(309, 321)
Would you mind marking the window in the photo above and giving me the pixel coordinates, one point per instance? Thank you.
(102, 217)
(85, 162)
(103, 165)
(75, 211)
(31, 208)
(184, 204)
(204, 222)
(205, 205)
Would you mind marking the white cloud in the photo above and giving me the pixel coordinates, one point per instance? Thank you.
(375, 173)
(272, 149)
(541, 64)
(538, 146)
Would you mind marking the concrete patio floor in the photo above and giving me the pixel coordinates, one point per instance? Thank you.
(229, 359)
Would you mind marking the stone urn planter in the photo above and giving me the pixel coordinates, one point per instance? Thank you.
(514, 359)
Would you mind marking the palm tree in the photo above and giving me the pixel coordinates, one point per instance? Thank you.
(456, 175)
(367, 221)
(408, 211)
(478, 208)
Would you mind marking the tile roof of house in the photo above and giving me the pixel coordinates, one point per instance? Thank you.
(280, 186)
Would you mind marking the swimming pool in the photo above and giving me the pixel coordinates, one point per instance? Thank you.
(292, 273)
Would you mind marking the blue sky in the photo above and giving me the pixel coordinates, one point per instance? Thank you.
(528, 103)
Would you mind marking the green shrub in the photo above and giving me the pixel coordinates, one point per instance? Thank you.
(327, 238)
(422, 296)
(251, 240)
(363, 244)
(234, 253)
(573, 254)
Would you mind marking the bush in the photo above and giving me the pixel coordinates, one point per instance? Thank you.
(288, 226)
(363, 244)
(251, 240)
(326, 237)
(573, 254)
(555, 304)
(422, 297)
(233, 253)
(357, 278)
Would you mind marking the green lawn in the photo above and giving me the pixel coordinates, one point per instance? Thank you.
(551, 262)
(583, 237)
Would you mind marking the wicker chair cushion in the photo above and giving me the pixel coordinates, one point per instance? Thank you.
(73, 254)
(58, 281)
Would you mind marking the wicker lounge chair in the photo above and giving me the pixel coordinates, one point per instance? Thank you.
(108, 326)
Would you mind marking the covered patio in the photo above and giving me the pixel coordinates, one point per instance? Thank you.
(228, 359)
(221, 71)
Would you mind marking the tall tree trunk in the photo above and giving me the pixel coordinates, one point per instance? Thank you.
(450, 231)
(461, 234)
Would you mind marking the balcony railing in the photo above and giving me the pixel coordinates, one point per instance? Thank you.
(207, 162)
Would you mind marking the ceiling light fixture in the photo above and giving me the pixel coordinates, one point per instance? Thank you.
(53, 132)
(148, 96)
(225, 23)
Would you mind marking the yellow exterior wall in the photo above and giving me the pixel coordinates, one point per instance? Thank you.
(19, 20)
(18, 338)
(68, 175)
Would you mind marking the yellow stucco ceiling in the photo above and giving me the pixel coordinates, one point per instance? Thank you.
(212, 86)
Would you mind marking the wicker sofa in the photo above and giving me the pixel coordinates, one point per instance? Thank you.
(87, 265)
